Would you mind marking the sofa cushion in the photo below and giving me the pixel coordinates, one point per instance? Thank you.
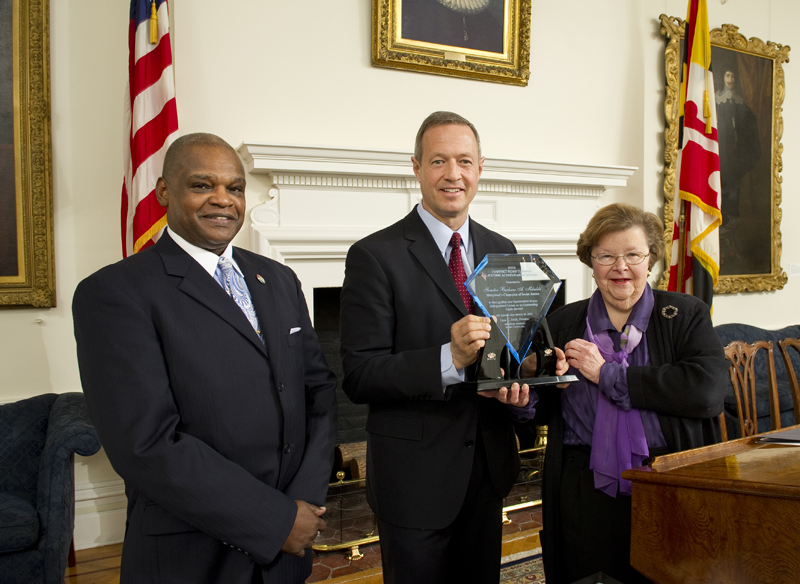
(19, 524)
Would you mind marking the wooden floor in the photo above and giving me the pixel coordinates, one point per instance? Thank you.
(101, 565)
(96, 566)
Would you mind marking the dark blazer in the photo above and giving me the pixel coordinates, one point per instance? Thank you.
(214, 432)
(398, 304)
(684, 384)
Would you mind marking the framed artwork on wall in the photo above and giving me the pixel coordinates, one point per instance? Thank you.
(27, 265)
(488, 40)
(749, 90)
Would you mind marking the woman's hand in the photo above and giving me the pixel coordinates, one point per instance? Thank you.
(561, 362)
(585, 357)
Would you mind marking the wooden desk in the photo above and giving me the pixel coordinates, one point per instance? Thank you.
(724, 513)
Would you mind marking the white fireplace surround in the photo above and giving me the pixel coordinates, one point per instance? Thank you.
(319, 201)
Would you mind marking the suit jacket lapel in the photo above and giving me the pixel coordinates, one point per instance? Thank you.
(480, 244)
(424, 248)
(198, 284)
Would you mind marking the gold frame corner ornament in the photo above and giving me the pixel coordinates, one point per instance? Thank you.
(726, 37)
(512, 66)
(34, 283)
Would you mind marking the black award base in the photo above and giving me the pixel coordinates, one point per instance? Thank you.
(493, 384)
(496, 364)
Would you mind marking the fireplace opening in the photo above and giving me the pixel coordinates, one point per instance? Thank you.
(352, 417)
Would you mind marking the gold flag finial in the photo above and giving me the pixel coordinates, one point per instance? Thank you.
(153, 24)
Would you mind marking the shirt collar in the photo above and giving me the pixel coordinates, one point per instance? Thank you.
(207, 259)
(442, 233)
(639, 316)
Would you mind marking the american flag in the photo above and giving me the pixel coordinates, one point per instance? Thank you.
(698, 187)
(151, 122)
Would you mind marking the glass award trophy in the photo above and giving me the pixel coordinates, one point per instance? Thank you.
(515, 291)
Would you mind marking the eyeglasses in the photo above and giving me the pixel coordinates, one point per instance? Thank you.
(633, 258)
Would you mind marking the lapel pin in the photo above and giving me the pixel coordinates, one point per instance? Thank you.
(260, 279)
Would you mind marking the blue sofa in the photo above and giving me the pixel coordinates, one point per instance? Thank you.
(38, 438)
(749, 334)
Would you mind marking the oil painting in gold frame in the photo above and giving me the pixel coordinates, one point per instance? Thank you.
(488, 40)
(749, 92)
(27, 265)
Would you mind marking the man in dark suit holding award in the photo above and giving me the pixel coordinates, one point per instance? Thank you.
(440, 459)
(209, 390)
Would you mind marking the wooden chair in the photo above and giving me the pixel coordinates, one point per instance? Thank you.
(791, 373)
(742, 374)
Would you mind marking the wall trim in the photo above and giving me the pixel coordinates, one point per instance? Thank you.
(100, 513)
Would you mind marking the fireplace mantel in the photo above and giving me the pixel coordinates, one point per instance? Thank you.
(351, 166)
(320, 200)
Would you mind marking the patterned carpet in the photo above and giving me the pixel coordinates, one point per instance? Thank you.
(523, 571)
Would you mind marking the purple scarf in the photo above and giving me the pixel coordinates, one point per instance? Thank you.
(618, 438)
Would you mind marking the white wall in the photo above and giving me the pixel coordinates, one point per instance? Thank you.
(299, 72)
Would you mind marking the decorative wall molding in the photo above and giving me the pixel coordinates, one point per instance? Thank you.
(348, 166)
(319, 201)
(100, 513)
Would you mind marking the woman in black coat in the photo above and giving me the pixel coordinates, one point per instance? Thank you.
(652, 375)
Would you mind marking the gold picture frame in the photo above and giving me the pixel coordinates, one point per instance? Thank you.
(750, 237)
(488, 40)
(27, 262)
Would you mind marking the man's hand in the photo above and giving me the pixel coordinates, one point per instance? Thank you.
(307, 525)
(467, 337)
(586, 358)
(516, 396)
(528, 366)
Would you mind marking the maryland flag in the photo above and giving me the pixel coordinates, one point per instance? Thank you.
(695, 241)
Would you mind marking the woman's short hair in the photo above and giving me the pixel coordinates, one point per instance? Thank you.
(621, 217)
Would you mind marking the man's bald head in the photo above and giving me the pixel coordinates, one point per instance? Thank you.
(177, 151)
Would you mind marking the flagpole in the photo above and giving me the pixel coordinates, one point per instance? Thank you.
(681, 245)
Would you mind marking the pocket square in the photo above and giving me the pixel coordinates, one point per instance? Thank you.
(293, 330)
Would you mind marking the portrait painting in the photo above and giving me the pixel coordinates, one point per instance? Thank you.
(749, 88)
(27, 266)
(9, 262)
(488, 40)
(743, 96)
(468, 24)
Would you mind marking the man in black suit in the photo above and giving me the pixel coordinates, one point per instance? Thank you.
(439, 459)
(212, 398)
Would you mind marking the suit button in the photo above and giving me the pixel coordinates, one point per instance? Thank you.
(469, 443)
(287, 449)
(280, 386)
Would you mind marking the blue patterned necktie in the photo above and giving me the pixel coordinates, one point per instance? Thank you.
(233, 283)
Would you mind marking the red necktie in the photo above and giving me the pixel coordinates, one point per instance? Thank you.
(457, 270)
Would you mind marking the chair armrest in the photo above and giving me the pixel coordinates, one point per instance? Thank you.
(69, 430)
